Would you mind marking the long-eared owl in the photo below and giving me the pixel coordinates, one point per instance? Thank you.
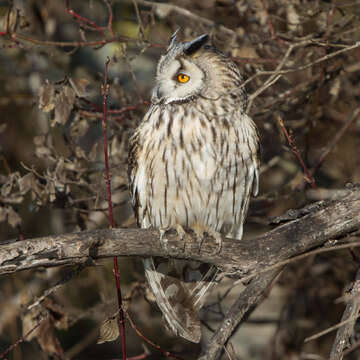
(193, 164)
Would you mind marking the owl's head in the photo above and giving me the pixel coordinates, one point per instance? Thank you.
(192, 69)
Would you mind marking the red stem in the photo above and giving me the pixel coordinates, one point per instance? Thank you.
(22, 339)
(296, 151)
(83, 20)
(164, 352)
(111, 218)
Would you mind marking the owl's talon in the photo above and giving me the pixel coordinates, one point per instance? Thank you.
(218, 242)
(182, 234)
(200, 240)
(163, 240)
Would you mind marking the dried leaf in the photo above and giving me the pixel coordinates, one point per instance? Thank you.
(57, 312)
(80, 86)
(7, 188)
(47, 97)
(13, 217)
(48, 341)
(27, 182)
(51, 315)
(109, 330)
(64, 103)
(30, 320)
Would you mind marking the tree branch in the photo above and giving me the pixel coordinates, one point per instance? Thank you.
(345, 332)
(312, 226)
(245, 304)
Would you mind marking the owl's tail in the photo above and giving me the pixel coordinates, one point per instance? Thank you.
(180, 288)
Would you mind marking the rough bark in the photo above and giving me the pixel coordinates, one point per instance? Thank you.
(345, 333)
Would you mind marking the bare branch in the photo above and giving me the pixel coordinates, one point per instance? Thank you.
(323, 221)
(239, 311)
(349, 318)
(165, 10)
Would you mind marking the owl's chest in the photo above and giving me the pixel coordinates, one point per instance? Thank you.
(188, 171)
(186, 150)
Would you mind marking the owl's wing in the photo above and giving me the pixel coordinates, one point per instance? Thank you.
(179, 288)
(132, 168)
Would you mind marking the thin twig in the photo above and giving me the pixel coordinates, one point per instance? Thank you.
(278, 70)
(271, 25)
(253, 294)
(351, 119)
(274, 77)
(296, 151)
(105, 91)
(164, 352)
(300, 257)
(86, 23)
(118, 38)
(22, 339)
(91, 25)
(317, 61)
(331, 329)
(164, 8)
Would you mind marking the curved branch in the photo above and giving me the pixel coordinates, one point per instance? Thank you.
(240, 310)
(317, 223)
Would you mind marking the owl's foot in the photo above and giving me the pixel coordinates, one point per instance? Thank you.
(180, 232)
(200, 234)
(199, 231)
(163, 239)
(218, 241)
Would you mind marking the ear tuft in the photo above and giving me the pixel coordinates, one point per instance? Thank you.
(172, 40)
(192, 46)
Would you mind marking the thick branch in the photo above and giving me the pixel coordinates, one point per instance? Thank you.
(239, 312)
(320, 222)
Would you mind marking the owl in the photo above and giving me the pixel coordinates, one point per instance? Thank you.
(193, 165)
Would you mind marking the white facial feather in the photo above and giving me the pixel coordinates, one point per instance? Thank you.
(168, 89)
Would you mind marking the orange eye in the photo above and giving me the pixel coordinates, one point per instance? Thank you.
(182, 78)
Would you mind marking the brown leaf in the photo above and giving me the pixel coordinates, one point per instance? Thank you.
(47, 97)
(51, 315)
(47, 340)
(57, 312)
(64, 103)
(7, 188)
(13, 217)
(80, 86)
(27, 182)
(31, 320)
(109, 330)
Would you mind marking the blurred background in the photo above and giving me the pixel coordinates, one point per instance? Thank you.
(52, 174)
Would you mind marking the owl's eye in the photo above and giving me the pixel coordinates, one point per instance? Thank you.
(182, 78)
